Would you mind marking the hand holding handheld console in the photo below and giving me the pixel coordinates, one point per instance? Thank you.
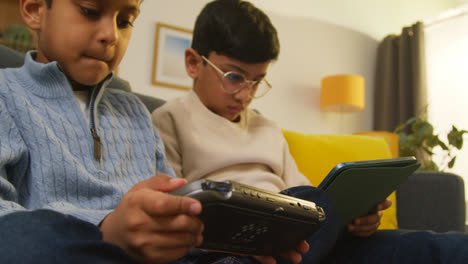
(355, 188)
(243, 219)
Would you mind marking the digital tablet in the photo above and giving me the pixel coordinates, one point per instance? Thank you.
(355, 188)
(242, 219)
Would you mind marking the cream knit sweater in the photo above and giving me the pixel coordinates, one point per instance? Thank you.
(200, 144)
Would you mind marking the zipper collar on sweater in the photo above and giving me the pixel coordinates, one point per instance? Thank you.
(96, 96)
(48, 80)
(45, 80)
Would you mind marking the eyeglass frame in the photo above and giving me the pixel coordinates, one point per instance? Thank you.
(242, 85)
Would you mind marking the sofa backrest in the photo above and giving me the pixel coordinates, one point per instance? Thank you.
(10, 58)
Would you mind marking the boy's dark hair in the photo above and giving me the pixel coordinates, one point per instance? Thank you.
(49, 2)
(236, 29)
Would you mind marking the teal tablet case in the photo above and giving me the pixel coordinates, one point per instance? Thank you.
(355, 188)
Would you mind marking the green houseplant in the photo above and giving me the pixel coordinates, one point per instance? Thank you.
(417, 138)
(17, 37)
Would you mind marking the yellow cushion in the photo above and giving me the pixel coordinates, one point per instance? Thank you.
(316, 155)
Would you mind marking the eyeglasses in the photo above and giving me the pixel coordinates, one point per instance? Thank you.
(233, 82)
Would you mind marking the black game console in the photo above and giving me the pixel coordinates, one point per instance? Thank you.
(242, 219)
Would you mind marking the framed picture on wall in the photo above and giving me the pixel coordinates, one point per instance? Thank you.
(168, 62)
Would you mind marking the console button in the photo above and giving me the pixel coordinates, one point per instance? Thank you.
(279, 211)
(223, 187)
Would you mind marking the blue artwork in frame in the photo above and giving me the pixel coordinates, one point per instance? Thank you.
(169, 59)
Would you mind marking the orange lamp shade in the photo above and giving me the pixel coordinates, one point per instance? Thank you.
(342, 93)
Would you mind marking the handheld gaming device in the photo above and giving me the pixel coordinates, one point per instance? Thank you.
(242, 219)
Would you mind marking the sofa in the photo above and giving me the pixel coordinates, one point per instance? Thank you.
(427, 201)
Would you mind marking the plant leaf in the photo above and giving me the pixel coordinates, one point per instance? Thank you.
(433, 141)
(412, 120)
(416, 138)
(442, 144)
(423, 130)
(399, 128)
(452, 162)
(455, 137)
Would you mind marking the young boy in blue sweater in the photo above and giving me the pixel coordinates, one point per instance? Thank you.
(83, 176)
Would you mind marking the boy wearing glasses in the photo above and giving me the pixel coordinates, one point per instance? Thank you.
(210, 133)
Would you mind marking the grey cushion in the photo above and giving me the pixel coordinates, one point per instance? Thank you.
(432, 201)
(150, 102)
(10, 58)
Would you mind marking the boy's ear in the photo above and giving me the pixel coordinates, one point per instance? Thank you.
(32, 12)
(193, 62)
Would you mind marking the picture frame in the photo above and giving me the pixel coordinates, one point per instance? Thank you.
(169, 57)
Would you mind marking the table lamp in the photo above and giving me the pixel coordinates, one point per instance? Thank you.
(342, 93)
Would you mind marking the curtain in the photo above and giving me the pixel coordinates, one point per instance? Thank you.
(400, 89)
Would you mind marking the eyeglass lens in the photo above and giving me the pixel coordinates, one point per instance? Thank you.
(233, 82)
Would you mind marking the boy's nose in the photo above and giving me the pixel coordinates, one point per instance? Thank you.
(108, 32)
(244, 93)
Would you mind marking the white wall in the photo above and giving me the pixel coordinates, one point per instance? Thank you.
(447, 63)
(375, 18)
(313, 45)
(137, 64)
(312, 49)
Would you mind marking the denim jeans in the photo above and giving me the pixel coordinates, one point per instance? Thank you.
(45, 236)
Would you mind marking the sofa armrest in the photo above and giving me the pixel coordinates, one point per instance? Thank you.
(432, 201)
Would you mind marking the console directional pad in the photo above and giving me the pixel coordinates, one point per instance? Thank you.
(249, 232)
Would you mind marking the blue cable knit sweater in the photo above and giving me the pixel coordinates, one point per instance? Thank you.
(49, 158)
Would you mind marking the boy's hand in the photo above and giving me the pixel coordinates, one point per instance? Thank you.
(293, 256)
(367, 225)
(152, 226)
